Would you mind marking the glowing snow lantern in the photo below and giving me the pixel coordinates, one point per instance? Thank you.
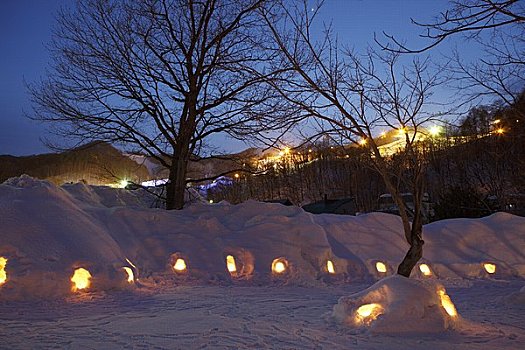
(279, 266)
(230, 264)
(180, 265)
(3, 274)
(425, 270)
(367, 313)
(380, 267)
(446, 303)
(123, 183)
(131, 276)
(490, 268)
(81, 279)
(330, 267)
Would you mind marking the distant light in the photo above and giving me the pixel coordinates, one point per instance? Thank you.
(230, 264)
(490, 268)
(123, 183)
(310, 150)
(330, 266)
(236, 176)
(286, 150)
(129, 271)
(425, 270)
(383, 134)
(331, 147)
(180, 265)
(211, 201)
(500, 131)
(435, 130)
(401, 132)
(362, 142)
(497, 121)
(380, 267)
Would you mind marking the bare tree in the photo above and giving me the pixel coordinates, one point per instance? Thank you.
(498, 26)
(353, 98)
(161, 76)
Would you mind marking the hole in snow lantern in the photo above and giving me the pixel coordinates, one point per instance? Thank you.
(367, 313)
(180, 265)
(330, 267)
(425, 270)
(490, 268)
(230, 264)
(446, 303)
(81, 279)
(129, 271)
(380, 267)
(279, 266)
(3, 274)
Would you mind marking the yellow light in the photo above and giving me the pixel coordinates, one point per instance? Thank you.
(380, 267)
(310, 150)
(237, 176)
(279, 266)
(286, 150)
(230, 264)
(123, 183)
(435, 130)
(367, 313)
(490, 268)
(81, 279)
(362, 142)
(497, 121)
(383, 134)
(425, 270)
(500, 131)
(401, 132)
(211, 201)
(446, 303)
(180, 265)
(330, 267)
(131, 276)
(3, 273)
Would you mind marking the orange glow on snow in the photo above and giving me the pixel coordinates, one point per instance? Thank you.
(380, 267)
(131, 276)
(3, 274)
(279, 266)
(490, 268)
(330, 267)
(180, 265)
(367, 313)
(425, 270)
(81, 279)
(230, 264)
(446, 303)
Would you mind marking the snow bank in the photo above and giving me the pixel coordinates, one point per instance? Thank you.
(396, 305)
(46, 232)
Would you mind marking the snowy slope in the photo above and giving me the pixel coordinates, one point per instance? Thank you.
(48, 231)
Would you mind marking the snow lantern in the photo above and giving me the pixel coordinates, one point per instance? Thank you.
(330, 267)
(180, 265)
(3, 274)
(425, 270)
(381, 267)
(446, 303)
(81, 279)
(230, 264)
(129, 272)
(367, 313)
(489, 267)
(279, 266)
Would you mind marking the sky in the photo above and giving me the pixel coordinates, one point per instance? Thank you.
(26, 27)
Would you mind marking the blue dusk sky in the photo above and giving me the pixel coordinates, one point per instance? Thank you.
(26, 26)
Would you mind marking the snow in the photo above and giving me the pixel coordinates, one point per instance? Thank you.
(47, 232)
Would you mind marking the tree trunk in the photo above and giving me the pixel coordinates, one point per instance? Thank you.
(414, 253)
(176, 185)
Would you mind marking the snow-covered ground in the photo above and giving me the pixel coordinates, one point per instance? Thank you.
(135, 296)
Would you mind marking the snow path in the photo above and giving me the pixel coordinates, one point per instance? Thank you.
(241, 317)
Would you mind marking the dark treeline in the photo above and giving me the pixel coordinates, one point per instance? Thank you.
(474, 169)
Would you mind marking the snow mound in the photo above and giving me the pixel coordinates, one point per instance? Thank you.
(397, 305)
(517, 298)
